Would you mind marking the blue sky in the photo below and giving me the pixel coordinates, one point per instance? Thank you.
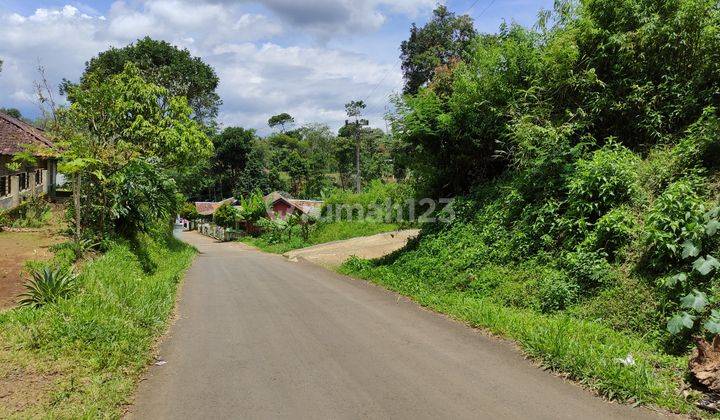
(303, 57)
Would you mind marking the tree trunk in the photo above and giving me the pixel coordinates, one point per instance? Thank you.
(76, 199)
(358, 187)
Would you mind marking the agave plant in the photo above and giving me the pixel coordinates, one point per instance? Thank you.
(48, 286)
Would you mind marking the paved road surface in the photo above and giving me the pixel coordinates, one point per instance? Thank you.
(260, 337)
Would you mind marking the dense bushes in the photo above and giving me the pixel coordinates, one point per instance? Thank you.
(604, 181)
(575, 154)
(379, 202)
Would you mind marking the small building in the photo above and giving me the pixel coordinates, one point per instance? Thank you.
(207, 208)
(281, 205)
(39, 179)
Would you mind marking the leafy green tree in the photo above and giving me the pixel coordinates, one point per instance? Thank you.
(227, 216)
(255, 176)
(445, 38)
(297, 168)
(124, 136)
(164, 65)
(232, 149)
(281, 120)
(141, 194)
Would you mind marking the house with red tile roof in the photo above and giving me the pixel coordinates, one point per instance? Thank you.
(281, 205)
(207, 208)
(39, 178)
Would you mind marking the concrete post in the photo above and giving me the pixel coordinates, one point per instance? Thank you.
(15, 190)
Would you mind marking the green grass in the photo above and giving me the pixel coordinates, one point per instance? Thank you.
(322, 233)
(586, 351)
(82, 357)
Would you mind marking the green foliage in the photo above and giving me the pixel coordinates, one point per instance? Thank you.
(127, 139)
(556, 293)
(605, 181)
(615, 229)
(253, 207)
(274, 230)
(105, 330)
(48, 286)
(33, 213)
(67, 253)
(281, 120)
(378, 201)
(189, 212)
(697, 297)
(142, 194)
(234, 148)
(227, 216)
(676, 216)
(165, 65)
(444, 38)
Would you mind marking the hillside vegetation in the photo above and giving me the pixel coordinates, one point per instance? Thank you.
(584, 154)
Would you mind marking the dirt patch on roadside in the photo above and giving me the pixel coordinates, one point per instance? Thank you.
(21, 389)
(15, 249)
(333, 254)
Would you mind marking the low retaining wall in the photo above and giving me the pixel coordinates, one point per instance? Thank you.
(219, 233)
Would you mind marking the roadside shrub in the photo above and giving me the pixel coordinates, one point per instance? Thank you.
(628, 305)
(556, 292)
(48, 286)
(614, 230)
(227, 216)
(33, 213)
(675, 217)
(69, 252)
(379, 201)
(189, 212)
(253, 207)
(273, 229)
(589, 269)
(606, 180)
(4, 220)
(700, 148)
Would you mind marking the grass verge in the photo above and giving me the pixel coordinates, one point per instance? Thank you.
(585, 351)
(82, 357)
(321, 233)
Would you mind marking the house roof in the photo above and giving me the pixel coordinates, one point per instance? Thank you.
(275, 195)
(309, 207)
(206, 208)
(14, 134)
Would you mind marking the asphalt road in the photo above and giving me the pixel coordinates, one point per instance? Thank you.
(260, 337)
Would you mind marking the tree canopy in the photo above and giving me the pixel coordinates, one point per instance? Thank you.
(165, 65)
(444, 39)
(128, 136)
(281, 120)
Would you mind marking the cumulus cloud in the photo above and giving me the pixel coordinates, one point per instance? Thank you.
(327, 18)
(261, 68)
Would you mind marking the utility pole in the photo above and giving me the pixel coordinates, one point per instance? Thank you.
(353, 109)
(357, 127)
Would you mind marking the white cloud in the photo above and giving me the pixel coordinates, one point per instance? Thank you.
(260, 73)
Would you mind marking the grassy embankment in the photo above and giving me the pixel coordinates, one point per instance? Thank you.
(322, 233)
(81, 357)
(586, 351)
(577, 309)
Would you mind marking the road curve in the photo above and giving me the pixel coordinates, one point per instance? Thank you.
(260, 337)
